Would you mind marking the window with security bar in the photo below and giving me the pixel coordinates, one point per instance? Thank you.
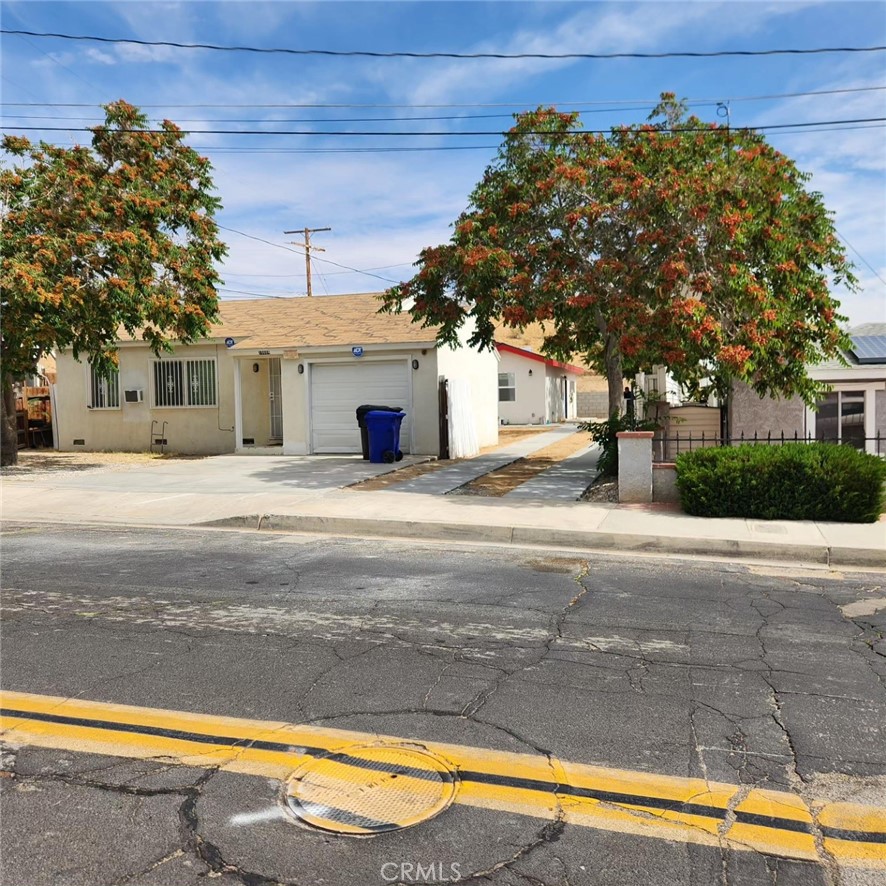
(179, 383)
(104, 388)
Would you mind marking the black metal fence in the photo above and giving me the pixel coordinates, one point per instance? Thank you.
(666, 449)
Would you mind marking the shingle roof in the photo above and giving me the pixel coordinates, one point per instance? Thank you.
(868, 329)
(315, 322)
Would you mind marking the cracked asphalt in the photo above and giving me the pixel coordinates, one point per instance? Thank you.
(754, 676)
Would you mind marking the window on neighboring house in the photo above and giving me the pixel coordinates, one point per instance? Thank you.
(104, 388)
(840, 418)
(507, 391)
(184, 383)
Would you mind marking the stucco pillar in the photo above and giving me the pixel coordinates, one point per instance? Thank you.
(634, 466)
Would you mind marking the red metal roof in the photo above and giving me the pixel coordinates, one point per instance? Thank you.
(531, 355)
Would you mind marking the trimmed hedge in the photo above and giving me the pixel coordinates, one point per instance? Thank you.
(795, 481)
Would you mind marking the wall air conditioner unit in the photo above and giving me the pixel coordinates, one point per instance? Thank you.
(134, 396)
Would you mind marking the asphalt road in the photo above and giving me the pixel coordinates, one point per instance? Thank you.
(655, 672)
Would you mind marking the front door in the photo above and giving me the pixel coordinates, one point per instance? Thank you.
(276, 397)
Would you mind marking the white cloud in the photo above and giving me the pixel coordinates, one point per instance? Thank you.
(597, 28)
(100, 57)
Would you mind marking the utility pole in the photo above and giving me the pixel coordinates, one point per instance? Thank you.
(307, 248)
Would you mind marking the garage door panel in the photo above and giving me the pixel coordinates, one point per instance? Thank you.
(338, 389)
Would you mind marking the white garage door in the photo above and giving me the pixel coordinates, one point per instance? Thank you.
(337, 389)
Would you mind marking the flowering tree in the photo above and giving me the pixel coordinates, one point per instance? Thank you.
(674, 242)
(121, 234)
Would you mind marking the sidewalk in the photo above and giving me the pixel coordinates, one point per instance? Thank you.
(571, 524)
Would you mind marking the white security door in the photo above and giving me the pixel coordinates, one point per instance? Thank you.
(276, 395)
(337, 389)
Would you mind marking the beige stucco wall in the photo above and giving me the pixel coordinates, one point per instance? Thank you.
(295, 407)
(210, 430)
(255, 393)
(749, 413)
(197, 430)
(664, 483)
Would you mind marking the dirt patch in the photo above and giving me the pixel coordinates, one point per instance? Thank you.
(48, 461)
(506, 436)
(502, 481)
(401, 475)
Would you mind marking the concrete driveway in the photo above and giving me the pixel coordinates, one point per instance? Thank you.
(220, 474)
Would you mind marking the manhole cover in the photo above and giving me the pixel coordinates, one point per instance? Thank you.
(370, 789)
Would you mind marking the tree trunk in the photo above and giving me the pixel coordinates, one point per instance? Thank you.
(8, 434)
(614, 377)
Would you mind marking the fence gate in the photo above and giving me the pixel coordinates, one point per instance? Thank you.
(443, 401)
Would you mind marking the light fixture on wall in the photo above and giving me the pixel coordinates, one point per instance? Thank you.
(530, 372)
(255, 367)
(301, 368)
(415, 364)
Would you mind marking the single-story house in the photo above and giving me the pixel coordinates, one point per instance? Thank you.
(533, 389)
(854, 411)
(277, 376)
(591, 388)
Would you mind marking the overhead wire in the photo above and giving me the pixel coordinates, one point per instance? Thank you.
(648, 102)
(711, 129)
(313, 257)
(872, 269)
(604, 108)
(362, 53)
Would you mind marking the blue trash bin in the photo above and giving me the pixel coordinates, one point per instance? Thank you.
(384, 436)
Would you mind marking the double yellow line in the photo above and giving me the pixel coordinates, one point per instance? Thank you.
(684, 809)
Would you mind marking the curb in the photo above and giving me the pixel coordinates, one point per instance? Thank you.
(819, 554)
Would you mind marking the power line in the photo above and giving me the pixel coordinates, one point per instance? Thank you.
(873, 270)
(360, 53)
(712, 129)
(649, 102)
(328, 273)
(609, 108)
(389, 149)
(299, 252)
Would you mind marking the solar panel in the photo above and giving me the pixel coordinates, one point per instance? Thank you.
(869, 348)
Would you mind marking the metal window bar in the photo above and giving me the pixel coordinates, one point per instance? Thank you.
(169, 389)
(104, 389)
(201, 382)
(666, 449)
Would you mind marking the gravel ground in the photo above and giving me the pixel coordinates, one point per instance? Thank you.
(604, 489)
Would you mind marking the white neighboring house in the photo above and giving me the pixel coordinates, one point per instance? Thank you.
(533, 389)
(275, 376)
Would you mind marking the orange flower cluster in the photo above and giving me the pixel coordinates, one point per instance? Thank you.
(673, 270)
(515, 316)
(735, 356)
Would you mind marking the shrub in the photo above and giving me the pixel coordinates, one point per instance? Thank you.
(603, 433)
(796, 481)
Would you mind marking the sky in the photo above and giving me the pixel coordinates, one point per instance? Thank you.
(388, 196)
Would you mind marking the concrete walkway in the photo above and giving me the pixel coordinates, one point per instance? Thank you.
(564, 481)
(449, 478)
